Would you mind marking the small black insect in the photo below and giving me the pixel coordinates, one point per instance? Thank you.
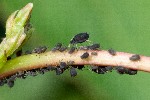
(27, 52)
(135, 57)
(73, 72)
(94, 53)
(102, 70)
(32, 72)
(59, 71)
(121, 70)
(62, 49)
(57, 47)
(42, 70)
(94, 46)
(109, 68)
(112, 52)
(8, 58)
(79, 38)
(72, 50)
(51, 68)
(10, 83)
(131, 71)
(21, 74)
(2, 82)
(19, 53)
(40, 49)
(85, 55)
(63, 65)
(80, 67)
(94, 69)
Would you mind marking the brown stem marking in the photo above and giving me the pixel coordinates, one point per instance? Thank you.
(103, 58)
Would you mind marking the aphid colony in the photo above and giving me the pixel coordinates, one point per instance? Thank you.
(34, 72)
(69, 65)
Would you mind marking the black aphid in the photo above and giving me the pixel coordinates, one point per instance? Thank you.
(135, 57)
(73, 72)
(57, 47)
(8, 58)
(94, 53)
(85, 55)
(41, 70)
(10, 83)
(109, 68)
(40, 49)
(79, 38)
(121, 70)
(72, 50)
(21, 74)
(80, 67)
(102, 70)
(32, 72)
(63, 65)
(112, 52)
(2, 82)
(94, 46)
(94, 69)
(62, 49)
(19, 53)
(131, 71)
(59, 71)
(27, 52)
(51, 68)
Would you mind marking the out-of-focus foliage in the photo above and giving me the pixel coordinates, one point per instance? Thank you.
(121, 24)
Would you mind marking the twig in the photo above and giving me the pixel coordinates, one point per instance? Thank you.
(103, 58)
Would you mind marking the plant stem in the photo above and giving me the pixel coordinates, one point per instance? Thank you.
(103, 58)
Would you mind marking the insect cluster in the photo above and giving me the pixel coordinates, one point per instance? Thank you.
(69, 65)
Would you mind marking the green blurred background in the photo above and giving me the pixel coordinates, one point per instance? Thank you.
(120, 24)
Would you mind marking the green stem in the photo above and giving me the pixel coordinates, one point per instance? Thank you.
(103, 58)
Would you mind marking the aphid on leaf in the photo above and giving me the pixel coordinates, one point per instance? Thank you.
(112, 52)
(85, 55)
(135, 57)
(79, 38)
(73, 72)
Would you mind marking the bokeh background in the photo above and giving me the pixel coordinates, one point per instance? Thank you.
(120, 24)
